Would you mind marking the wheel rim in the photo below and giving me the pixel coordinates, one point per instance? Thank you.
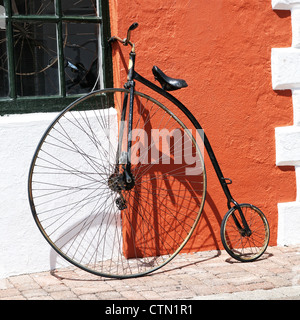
(76, 207)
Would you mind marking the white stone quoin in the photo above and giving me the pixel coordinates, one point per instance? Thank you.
(285, 63)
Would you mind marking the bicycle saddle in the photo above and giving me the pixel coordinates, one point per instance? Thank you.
(167, 83)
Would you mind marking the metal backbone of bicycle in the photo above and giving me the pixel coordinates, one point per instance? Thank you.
(116, 217)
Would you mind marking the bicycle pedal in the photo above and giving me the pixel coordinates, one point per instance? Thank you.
(121, 204)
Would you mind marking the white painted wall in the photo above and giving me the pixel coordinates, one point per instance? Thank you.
(286, 75)
(22, 248)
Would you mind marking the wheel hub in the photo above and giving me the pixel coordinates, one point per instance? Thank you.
(121, 181)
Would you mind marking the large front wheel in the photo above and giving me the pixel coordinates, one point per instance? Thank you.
(82, 201)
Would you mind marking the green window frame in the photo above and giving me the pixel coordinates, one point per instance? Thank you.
(46, 52)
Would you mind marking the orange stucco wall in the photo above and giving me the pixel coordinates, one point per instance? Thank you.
(222, 48)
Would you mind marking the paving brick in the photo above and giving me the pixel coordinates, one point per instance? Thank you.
(54, 288)
(5, 284)
(177, 294)
(86, 290)
(63, 295)
(202, 290)
(24, 282)
(33, 293)
(278, 281)
(109, 295)
(256, 286)
(150, 295)
(131, 295)
(88, 297)
(9, 293)
(18, 297)
(46, 279)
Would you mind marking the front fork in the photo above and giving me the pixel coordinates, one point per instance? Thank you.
(124, 179)
(244, 229)
(130, 84)
(127, 170)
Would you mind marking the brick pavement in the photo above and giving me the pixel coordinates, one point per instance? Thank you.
(203, 275)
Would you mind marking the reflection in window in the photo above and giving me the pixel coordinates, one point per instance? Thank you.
(33, 7)
(35, 57)
(79, 7)
(40, 56)
(81, 52)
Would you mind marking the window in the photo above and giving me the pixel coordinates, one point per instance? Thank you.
(51, 52)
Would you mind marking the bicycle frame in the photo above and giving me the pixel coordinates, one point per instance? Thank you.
(130, 84)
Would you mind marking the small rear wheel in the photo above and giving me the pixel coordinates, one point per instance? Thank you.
(240, 245)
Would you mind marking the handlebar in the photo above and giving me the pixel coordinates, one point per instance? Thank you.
(125, 41)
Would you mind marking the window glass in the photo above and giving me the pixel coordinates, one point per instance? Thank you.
(79, 7)
(35, 57)
(3, 56)
(81, 56)
(32, 7)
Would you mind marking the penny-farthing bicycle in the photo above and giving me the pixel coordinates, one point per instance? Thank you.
(117, 183)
